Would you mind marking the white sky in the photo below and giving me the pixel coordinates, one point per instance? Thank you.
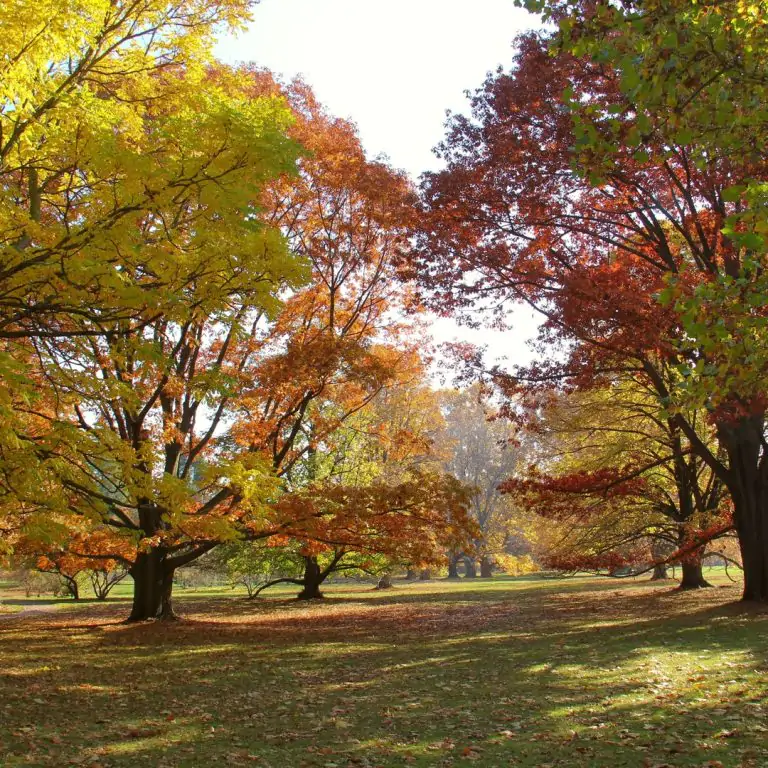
(393, 68)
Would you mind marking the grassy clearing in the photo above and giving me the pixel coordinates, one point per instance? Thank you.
(497, 673)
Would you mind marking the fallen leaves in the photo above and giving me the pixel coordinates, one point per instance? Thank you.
(345, 684)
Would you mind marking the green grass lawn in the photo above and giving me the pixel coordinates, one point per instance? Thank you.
(503, 672)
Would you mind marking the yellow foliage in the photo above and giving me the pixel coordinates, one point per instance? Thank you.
(516, 565)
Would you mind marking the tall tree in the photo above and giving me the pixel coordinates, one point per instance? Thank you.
(128, 180)
(180, 429)
(523, 213)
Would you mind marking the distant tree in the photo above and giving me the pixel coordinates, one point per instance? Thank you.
(481, 451)
(620, 486)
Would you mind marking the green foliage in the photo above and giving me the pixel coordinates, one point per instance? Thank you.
(726, 338)
(252, 564)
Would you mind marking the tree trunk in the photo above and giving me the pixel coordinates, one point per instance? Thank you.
(152, 587)
(412, 575)
(385, 582)
(660, 550)
(425, 575)
(659, 572)
(693, 577)
(312, 580)
(152, 575)
(470, 569)
(453, 566)
(748, 484)
(486, 567)
(73, 587)
(166, 612)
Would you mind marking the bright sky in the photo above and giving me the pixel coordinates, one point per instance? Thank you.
(393, 67)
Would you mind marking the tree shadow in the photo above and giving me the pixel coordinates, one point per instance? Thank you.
(565, 678)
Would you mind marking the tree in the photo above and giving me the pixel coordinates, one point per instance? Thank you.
(124, 436)
(695, 76)
(375, 485)
(413, 519)
(181, 430)
(310, 566)
(113, 143)
(256, 564)
(524, 212)
(87, 554)
(481, 452)
(621, 486)
(130, 188)
(103, 580)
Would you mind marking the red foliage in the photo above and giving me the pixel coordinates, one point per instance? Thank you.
(509, 218)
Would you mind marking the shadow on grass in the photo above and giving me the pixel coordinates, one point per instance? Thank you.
(580, 677)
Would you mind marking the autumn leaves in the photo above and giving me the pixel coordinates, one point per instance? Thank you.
(199, 294)
(599, 181)
(204, 290)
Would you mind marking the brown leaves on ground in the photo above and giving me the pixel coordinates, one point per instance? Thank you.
(548, 673)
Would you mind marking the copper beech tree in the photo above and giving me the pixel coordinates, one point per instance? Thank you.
(513, 218)
(178, 430)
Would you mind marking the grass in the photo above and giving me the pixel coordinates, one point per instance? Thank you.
(503, 672)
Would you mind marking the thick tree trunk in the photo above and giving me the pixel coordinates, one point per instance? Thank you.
(385, 582)
(748, 484)
(659, 572)
(412, 575)
(453, 566)
(72, 587)
(425, 575)
(152, 587)
(693, 577)
(312, 580)
(146, 592)
(470, 569)
(750, 526)
(486, 567)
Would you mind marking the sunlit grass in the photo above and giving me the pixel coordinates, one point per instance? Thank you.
(492, 673)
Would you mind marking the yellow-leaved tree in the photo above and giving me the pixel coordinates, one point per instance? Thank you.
(130, 250)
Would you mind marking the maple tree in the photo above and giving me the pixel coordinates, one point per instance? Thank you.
(527, 210)
(129, 185)
(370, 527)
(182, 428)
(373, 492)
